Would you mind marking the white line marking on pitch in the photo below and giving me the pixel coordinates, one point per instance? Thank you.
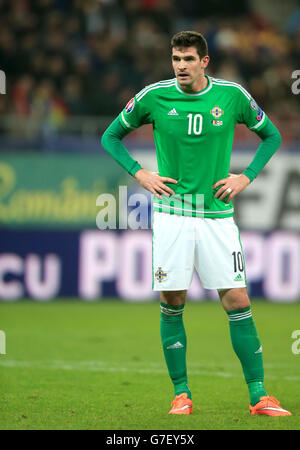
(129, 366)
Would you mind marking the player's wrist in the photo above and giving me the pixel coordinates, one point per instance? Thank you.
(137, 174)
(246, 178)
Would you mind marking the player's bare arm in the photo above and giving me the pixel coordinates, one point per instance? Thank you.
(155, 183)
(232, 185)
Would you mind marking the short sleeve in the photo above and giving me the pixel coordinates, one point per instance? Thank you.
(248, 111)
(135, 114)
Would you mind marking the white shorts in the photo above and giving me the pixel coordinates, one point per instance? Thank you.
(182, 243)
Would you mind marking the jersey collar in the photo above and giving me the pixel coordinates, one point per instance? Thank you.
(208, 87)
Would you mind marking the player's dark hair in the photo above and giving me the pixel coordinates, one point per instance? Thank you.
(190, 39)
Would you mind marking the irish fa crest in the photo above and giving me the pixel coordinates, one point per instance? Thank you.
(217, 113)
(160, 275)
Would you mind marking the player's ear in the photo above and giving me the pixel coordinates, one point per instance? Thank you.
(205, 61)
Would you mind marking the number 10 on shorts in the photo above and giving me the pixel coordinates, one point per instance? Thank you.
(238, 263)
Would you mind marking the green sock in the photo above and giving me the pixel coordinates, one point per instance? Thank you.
(173, 339)
(248, 349)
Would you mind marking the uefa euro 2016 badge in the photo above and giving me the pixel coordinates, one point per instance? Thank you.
(217, 112)
(255, 107)
(130, 105)
(160, 275)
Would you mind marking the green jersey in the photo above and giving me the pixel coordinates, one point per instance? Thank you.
(193, 135)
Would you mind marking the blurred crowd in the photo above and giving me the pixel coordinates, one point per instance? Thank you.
(89, 57)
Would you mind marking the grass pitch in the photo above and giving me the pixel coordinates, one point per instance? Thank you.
(77, 365)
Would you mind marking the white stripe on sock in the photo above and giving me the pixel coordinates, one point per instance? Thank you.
(240, 316)
(171, 312)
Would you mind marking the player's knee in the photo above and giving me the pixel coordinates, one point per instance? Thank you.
(234, 299)
(174, 298)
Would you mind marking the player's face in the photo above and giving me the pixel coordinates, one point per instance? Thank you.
(188, 67)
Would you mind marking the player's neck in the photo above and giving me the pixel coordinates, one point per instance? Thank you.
(197, 86)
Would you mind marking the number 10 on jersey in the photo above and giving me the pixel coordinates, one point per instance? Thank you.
(195, 124)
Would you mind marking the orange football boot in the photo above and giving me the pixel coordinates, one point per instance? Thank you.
(181, 405)
(269, 406)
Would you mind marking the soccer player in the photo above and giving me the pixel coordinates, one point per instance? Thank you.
(193, 117)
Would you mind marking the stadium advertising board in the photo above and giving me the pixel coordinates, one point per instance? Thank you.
(54, 191)
(61, 191)
(50, 246)
(94, 264)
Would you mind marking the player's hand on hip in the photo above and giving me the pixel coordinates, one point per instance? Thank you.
(155, 183)
(231, 186)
